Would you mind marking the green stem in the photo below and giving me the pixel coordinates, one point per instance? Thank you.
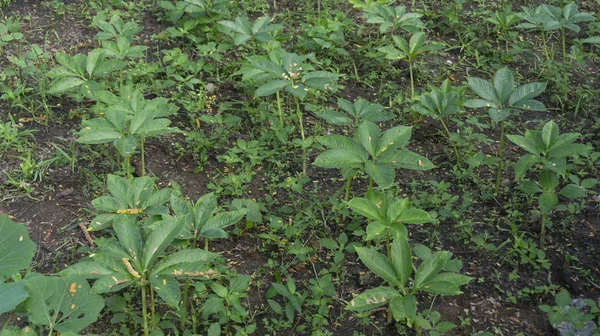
(564, 50)
(142, 140)
(452, 143)
(184, 304)
(347, 195)
(152, 309)
(144, 311)
(412, 82)
(545, 46)
(418, 329)
(501, 154)
(299, 115)
(279, 108)
(543, 230)
(206, 244)
(127, 161)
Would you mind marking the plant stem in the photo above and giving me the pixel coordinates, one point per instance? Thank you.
(501, 154)
(144, 311)
(299, 114)
(452, 143)
(152, 311)
(142, 140)
(184, 304)
(564, 50)
(545, 46)
(412, 82)
(543, 230)
(279, 108)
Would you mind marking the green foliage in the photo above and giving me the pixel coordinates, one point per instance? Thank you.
(82, 71)
(567, 312)
(387, 217)
(242, 30)
(10, 30)
(430, 276)
(503, 95)
(129, 199)
(116, 28)
(391, 19)
(16, 254)
(377, 154)
(349, 113)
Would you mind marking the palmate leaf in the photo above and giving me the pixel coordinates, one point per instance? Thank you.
(62, 303)
(368, 134)
(165, 232)
(504, 83)
(430, 267)
(214, 226)
(16, 248)
(379, 264)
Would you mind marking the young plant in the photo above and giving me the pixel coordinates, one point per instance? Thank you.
(409, 51)
(141, 257)
(200, 219)
(400, 294)
(501, 97)
(242, 30)
(387, 217)
(129, 199)
(504, 21)
(568, 315)
(289, 72)
(535, 19)
(390, 19)
(441, 104)
(549, 149)
(370, 151)
(128, 119)
(82, 71)
(349, 113)
(116, 28)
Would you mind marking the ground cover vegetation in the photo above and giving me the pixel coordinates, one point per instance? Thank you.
(326, 167)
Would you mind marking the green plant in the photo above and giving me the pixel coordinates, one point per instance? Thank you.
(441, 104)
(289, 71)
(349, 113)
(142, 258)
(501, 97)
(377, 154)
(392, 18)
(536, 18)
(128, 119)
(549, 149)
(400, 295)
(129, 199)
(409, 51)
(293, 299)
(63, 304)
(10, 30)
(224, 303)
(80, 71)
(504, 21)
(387, 217)
(242, 30)
(570, 316)
(116, 28)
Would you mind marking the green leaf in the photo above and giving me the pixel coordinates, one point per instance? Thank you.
(65, 84)
(366, 208)
(214, 226)
(504, 83)
(402, 259)
(484, 89)
(413, 216)
(214, 329)
(376, 230)
(573, 191)
(336, 141)
(454, 278)
(64, 304)
(393, 138)
(328, 243)
(549, 133)
(562, 298)
(11, 295)
(87, 269)
(126, 145)
(335, 117)
(340, 158)
(526, 143)
(16, 249)
(404, 307)
(270, 88)
(522, 166)
(379, 264)
(112, 283)
(441, 288)
(167, 288)
(372, 298)
(383, 174)
(525, 93)
(165, 232)
(547, 201)
(368, 135)
(430, 267)
(181, 259)
(406, 159)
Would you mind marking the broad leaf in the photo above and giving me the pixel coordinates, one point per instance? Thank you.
(430, 267)
(340, 158)
(64, 304)
(167, 288)
(383, 174)
(366, 208)
(372, 298)
(402, 259)
(11, 295)
(16, 249)
(165, 232)
(379, 264)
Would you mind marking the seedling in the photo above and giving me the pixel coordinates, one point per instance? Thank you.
(502, 96)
